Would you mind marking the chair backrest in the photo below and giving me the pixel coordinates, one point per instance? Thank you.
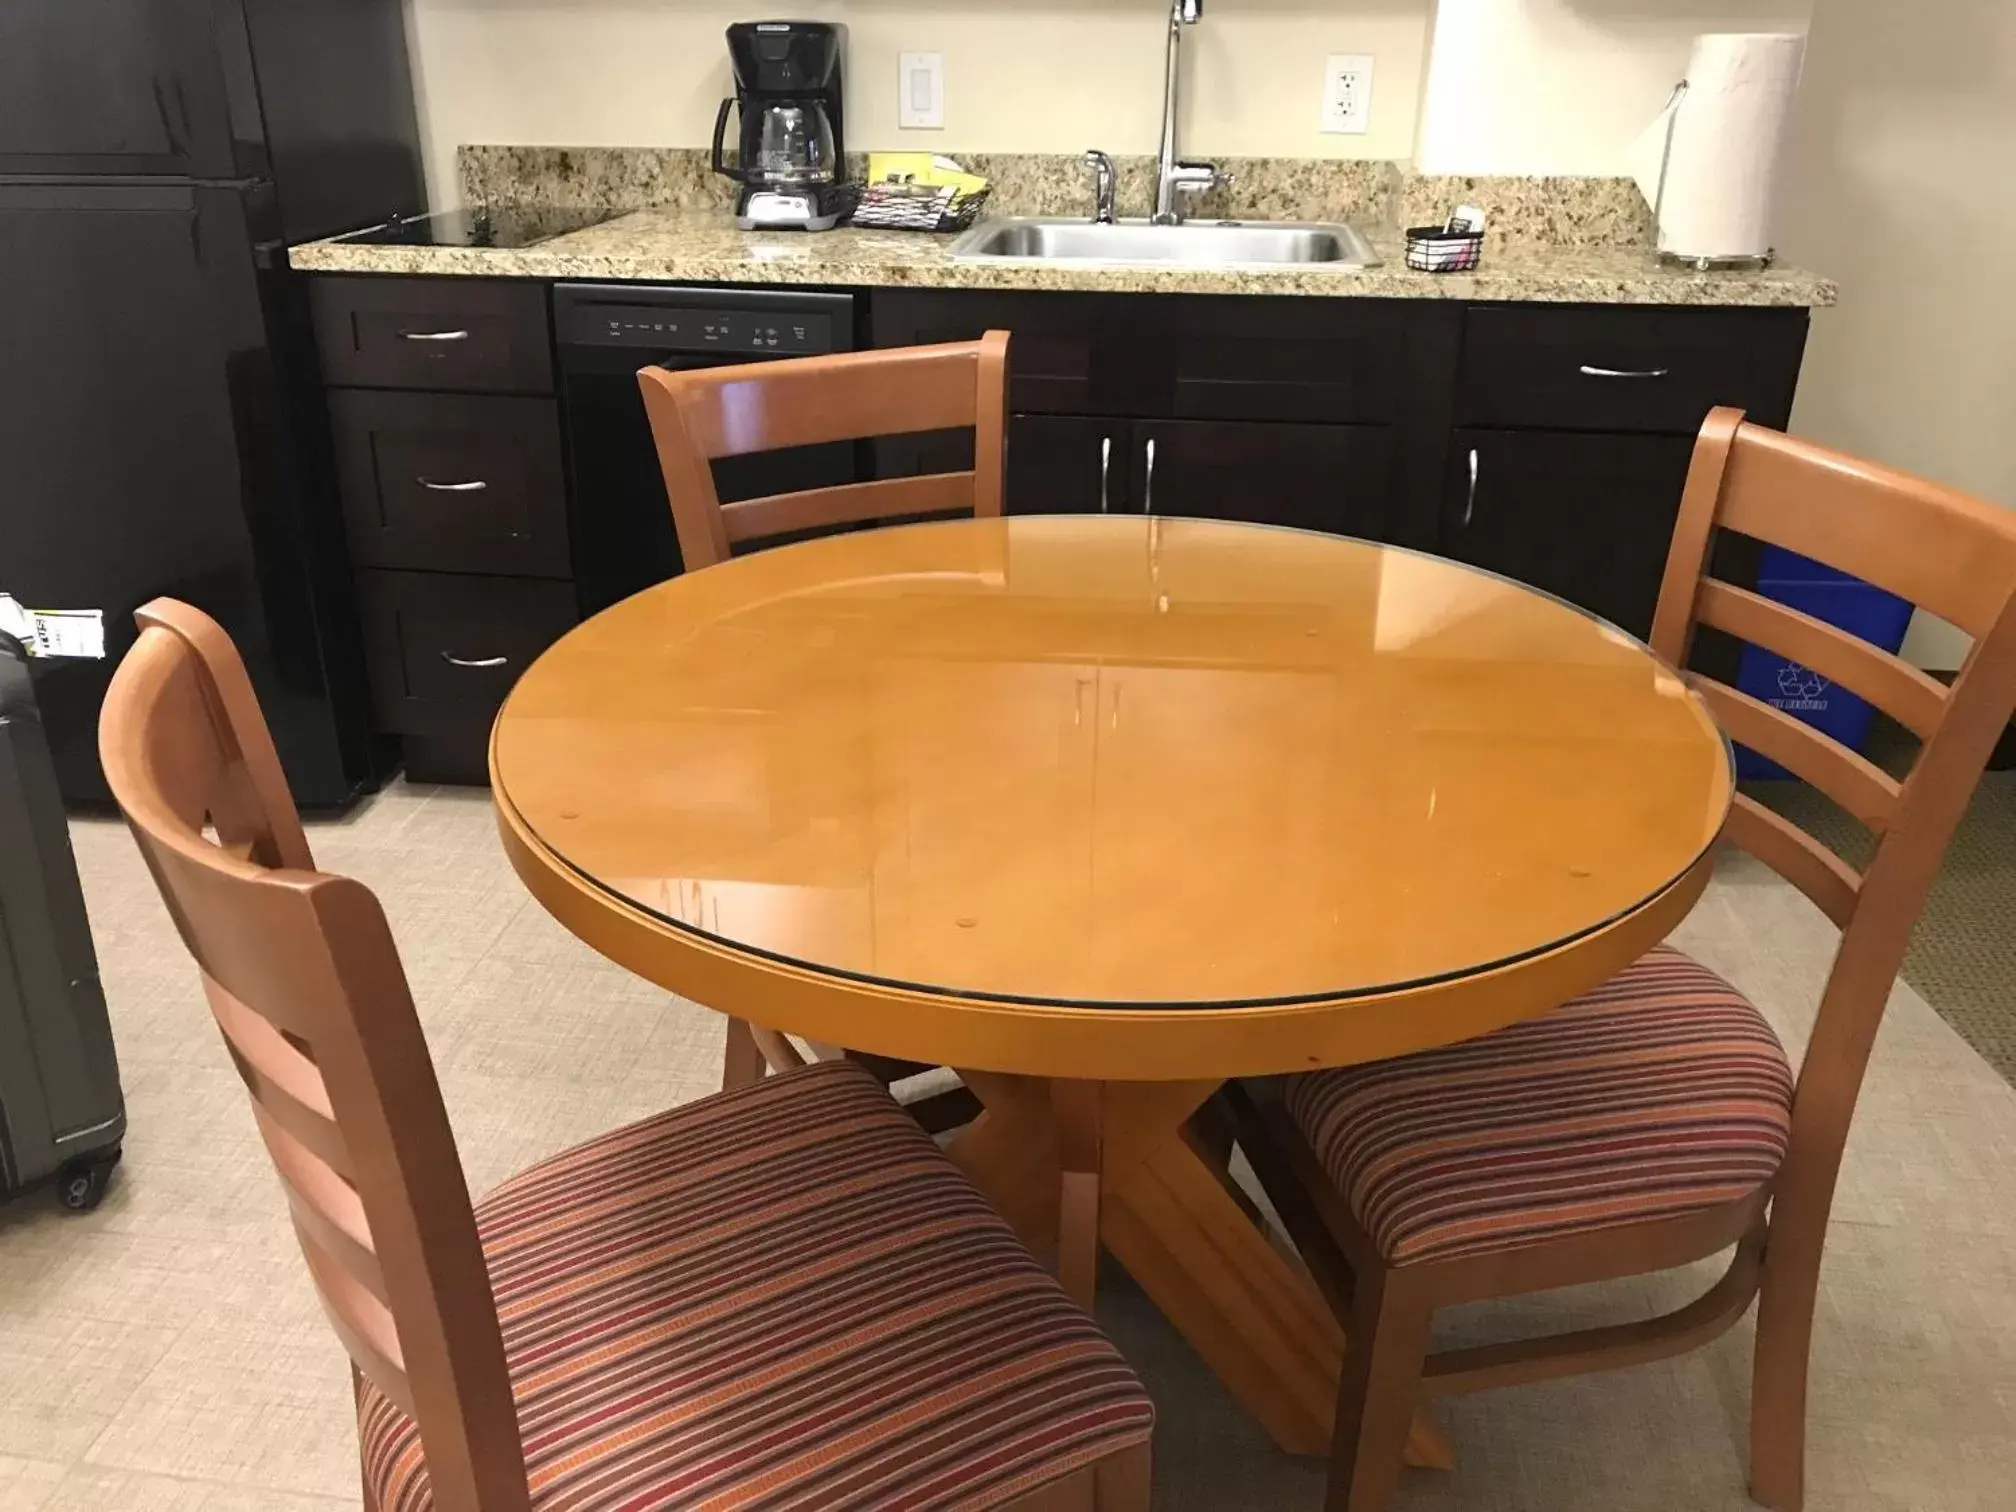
(304, 981)
(762, 406)
(1942, 550)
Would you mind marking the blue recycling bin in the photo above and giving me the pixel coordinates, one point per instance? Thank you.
(1848, 604)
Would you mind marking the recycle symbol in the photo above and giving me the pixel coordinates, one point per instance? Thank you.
(1795, 681)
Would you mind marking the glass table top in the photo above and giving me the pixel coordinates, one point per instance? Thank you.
(1114, 760)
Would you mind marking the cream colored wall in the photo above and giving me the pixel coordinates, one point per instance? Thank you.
(1564, 86)
(1044, 77)
(1900, 184)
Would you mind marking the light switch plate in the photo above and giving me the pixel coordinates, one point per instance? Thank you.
(920, 84)
(1347, 92)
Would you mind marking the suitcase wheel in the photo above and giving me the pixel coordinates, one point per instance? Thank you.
(80, 1186)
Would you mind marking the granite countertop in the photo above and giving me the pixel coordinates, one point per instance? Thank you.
(701, 246)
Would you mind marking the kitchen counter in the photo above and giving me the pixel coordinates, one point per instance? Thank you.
(700, 246)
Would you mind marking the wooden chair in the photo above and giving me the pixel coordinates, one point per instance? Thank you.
(700, 416)
(1657, 1120)
(781, 1293)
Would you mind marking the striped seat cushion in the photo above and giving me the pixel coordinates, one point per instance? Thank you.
(781, 1296)
(1662, 1092)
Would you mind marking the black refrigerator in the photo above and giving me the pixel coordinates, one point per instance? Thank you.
(161, 427)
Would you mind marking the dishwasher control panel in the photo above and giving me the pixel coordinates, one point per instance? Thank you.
(671, 328)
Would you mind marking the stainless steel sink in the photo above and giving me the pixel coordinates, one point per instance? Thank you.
(1192, 244)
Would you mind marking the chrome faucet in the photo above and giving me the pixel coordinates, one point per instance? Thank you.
(1174, 177)
(1102, 185)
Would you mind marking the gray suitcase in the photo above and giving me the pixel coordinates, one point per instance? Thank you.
(61, 1113)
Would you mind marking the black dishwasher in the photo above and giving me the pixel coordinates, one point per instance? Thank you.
(620, 521)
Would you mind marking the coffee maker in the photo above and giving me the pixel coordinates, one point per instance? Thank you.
(787, 87)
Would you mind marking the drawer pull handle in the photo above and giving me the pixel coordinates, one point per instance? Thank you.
(474, 485)
(1105, 465)
(475, 661)
(1148, 483)
(1603, 372)
(433, 335)
(1470, 494)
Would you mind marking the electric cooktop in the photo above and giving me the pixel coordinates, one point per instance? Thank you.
(504, 226)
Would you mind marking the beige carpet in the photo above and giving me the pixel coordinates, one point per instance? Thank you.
(166, 1352)
(1963, 952)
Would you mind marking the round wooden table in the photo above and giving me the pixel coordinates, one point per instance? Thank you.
(1102, 811)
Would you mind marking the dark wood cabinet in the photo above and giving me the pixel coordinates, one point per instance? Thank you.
(1545, 442)
(1067, 464)
(1360, 416)
(1584, 515)
(448, 462)
(1335, 478)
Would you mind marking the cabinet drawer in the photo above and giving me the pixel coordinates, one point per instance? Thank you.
(1626, 370)
(451, 482)
(482, 335)
(444, 650)
(1311, 360)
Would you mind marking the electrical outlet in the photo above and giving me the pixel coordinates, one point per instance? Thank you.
(920, 81)
(1347, 92)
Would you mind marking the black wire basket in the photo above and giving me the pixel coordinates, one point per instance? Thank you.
(1437, 249)
(917, 207)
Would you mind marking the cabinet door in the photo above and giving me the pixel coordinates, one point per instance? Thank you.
(1588, 517)
(1336, 478)
(1065, 464)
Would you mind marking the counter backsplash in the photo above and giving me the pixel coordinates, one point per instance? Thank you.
(1520, 212)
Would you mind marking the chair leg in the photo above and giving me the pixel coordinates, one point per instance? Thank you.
(741, 1061)
(1384, 1351)
(1786, 1296)
(1125, 1483)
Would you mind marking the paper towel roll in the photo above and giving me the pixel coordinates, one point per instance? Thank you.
(1728, 132)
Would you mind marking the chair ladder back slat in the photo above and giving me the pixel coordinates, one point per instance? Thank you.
(1831, 883)
(324, 1204)
(1934, 546)
(284, 1081)
(700, 416)
(811, 401)
(1865, 790)
(1896, 687)
(361, 1321)
(848, 504)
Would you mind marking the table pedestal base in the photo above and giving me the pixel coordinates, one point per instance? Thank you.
(1075, 1166)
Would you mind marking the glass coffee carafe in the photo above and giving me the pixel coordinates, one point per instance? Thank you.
(794, 145)
(783, 142)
